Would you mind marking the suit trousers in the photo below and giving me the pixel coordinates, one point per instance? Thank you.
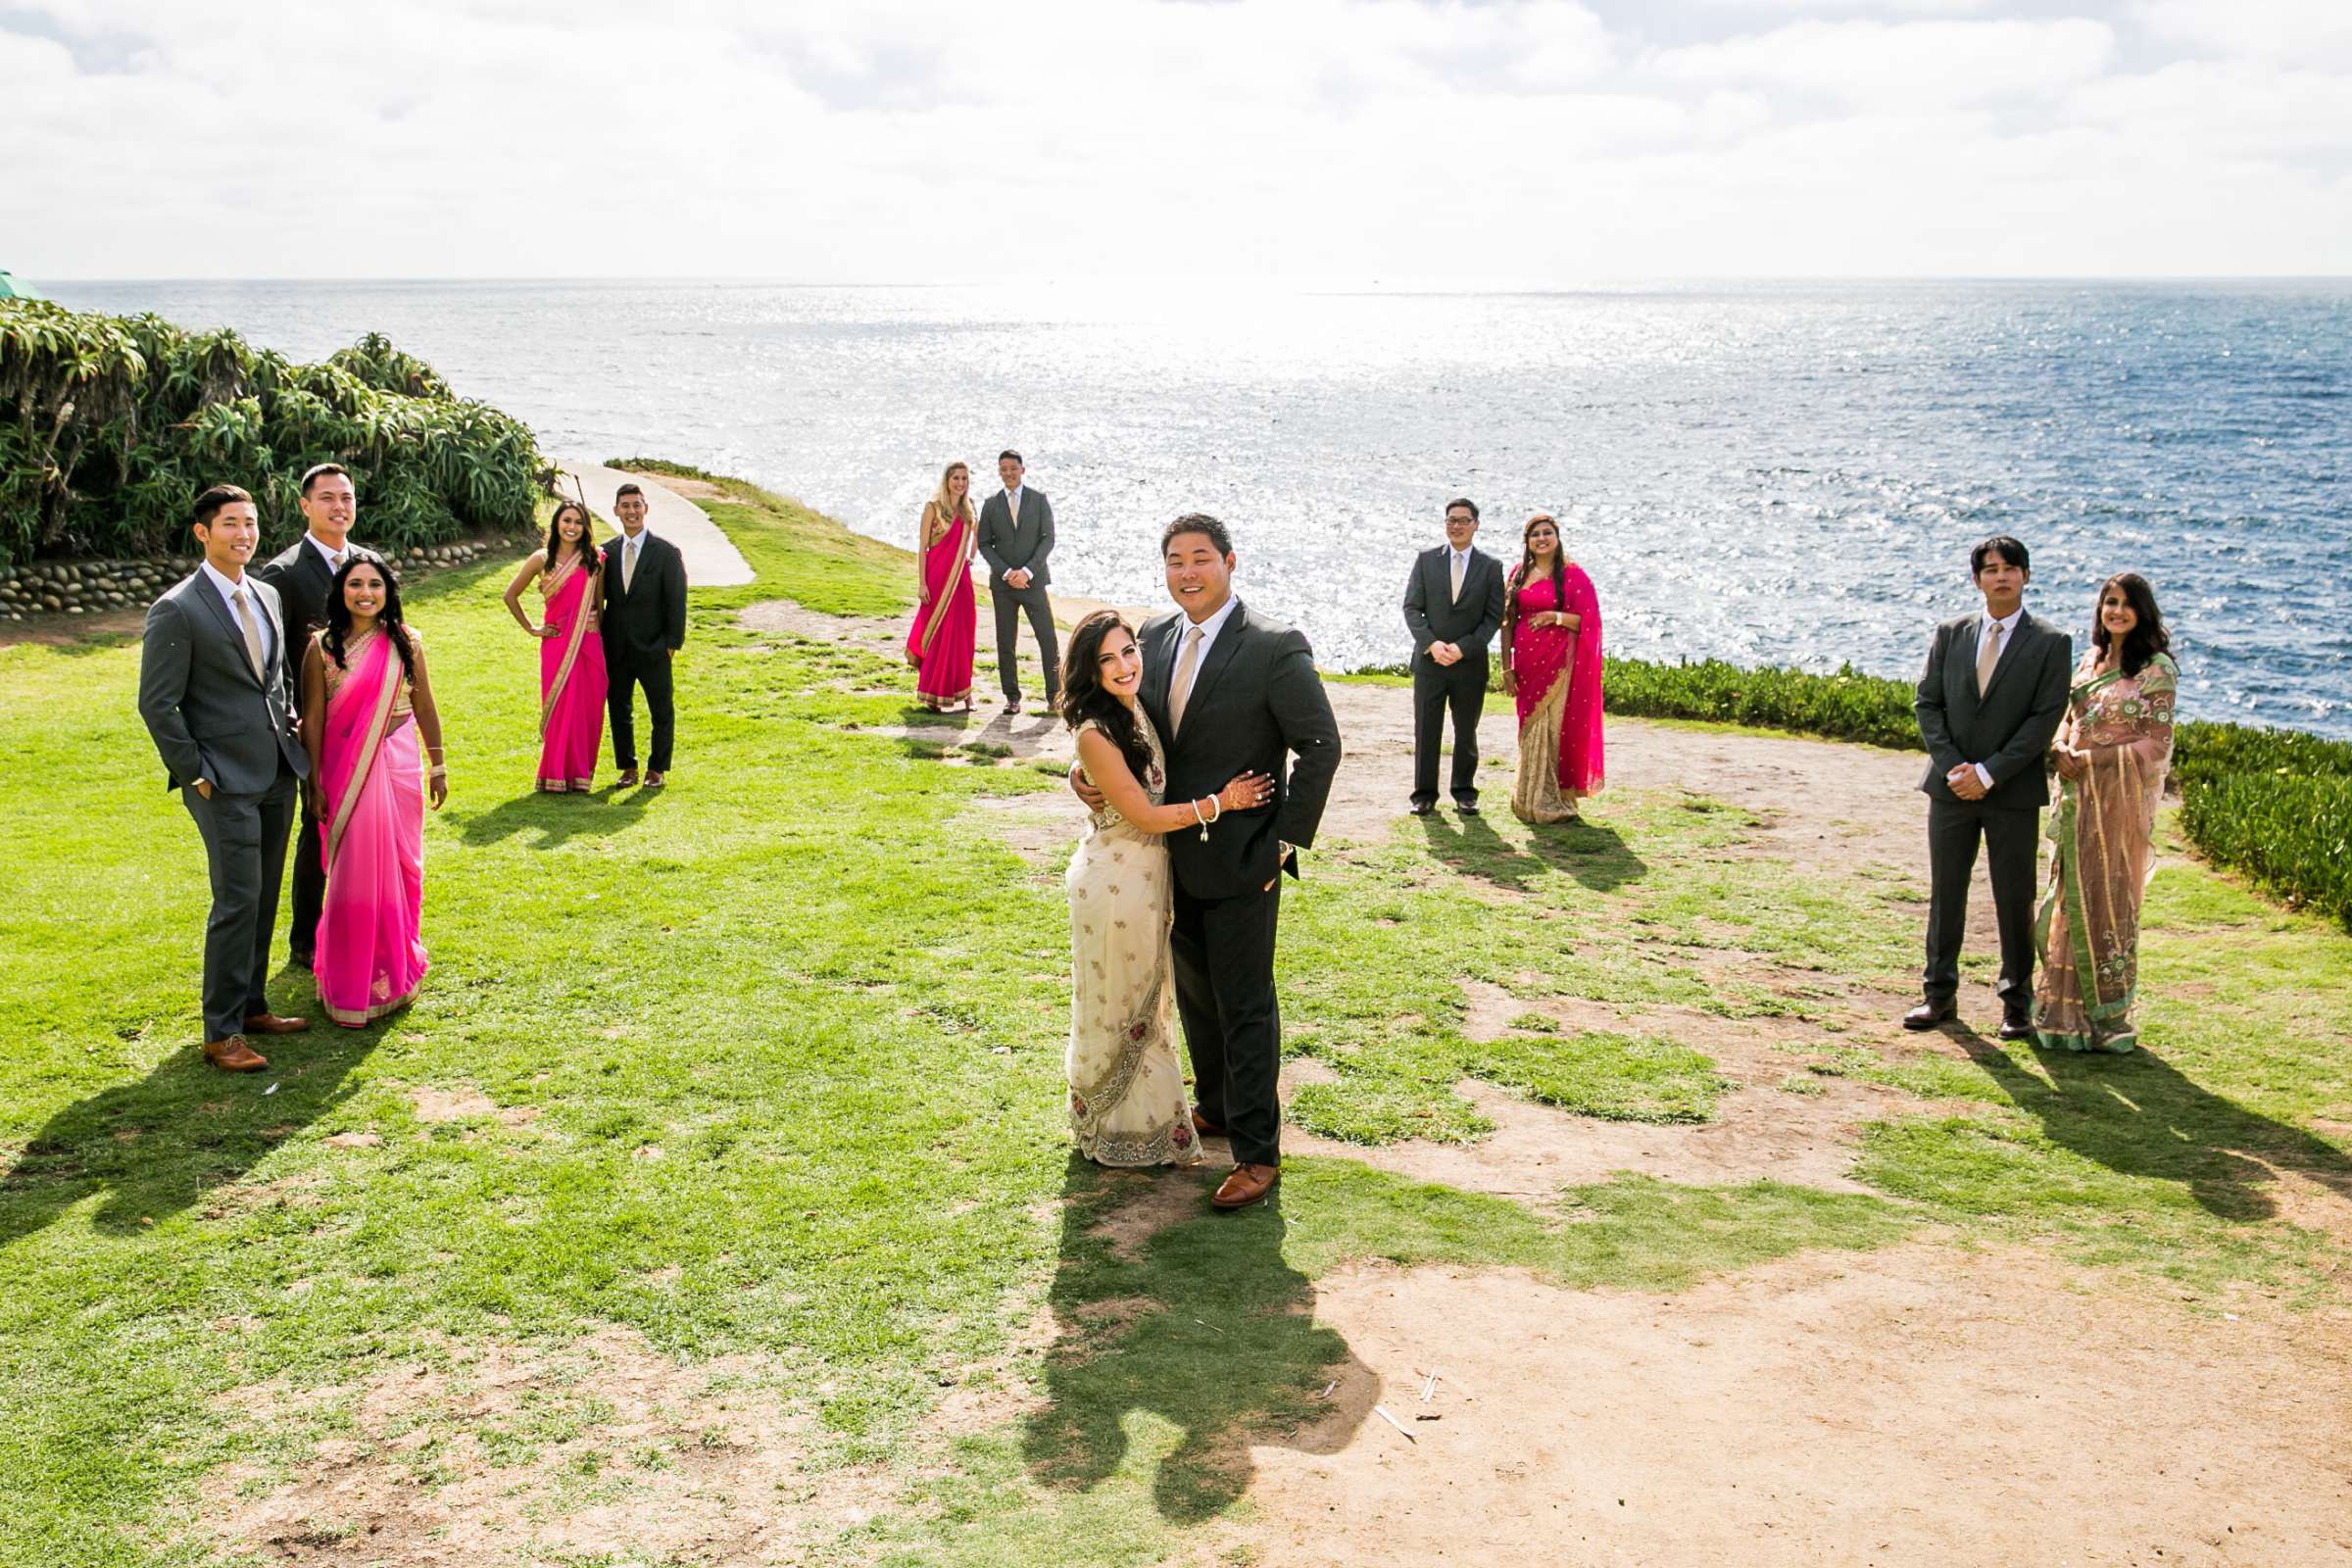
(1009, 602)
(308, 879)
(245, 855)
(1439, 689)
(2012, 838)
(1223, 952)
(625, 674)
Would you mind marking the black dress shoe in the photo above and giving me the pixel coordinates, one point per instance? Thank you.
(1423, 807)
(1928, 1014)
(2017, 1026)
(1466, 808)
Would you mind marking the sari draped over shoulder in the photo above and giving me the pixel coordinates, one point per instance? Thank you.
(2104, 832)
(571, 682)
(940, 643)
(1127, 1105)
(1560, 698)
(371, 954)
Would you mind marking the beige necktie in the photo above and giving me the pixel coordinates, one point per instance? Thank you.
(628, 566)
(1180, 690)
(1989, 654)
(253, 633)
(1457, 575)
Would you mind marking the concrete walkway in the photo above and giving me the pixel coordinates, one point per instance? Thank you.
(711, 559)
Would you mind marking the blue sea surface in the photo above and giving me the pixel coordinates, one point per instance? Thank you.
(1764, 472)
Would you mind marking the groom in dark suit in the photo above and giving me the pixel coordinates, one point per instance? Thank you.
(1454, 608)
(644, 625)
(302, 573)
(1016, 535)
(1232, 691)
(215, 693)
(1987, 707)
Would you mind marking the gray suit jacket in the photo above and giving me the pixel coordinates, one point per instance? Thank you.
(211, 719)
(1434, 616)
(2008, 728)
(1012, 544)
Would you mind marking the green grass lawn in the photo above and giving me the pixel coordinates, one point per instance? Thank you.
(763, 1073)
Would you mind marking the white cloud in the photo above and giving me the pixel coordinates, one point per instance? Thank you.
(1324, 139)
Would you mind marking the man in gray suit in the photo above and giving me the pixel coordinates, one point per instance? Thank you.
(1454, 608)
(1016, 535)
(215, 692)
(1987, 707)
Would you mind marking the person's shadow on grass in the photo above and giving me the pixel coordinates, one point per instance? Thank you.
(2138, 1115)
(1201, 1323)
(171, 1139)
(1596, 856)
(558, 817)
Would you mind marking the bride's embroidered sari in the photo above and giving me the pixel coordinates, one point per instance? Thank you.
(1558, 674)
(1127, 1105)
(571, 682)
(371, 956)
(940, 643)
(2103, 829)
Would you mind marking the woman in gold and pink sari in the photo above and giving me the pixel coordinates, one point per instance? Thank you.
(946, 623)
(2112, 751)
(1551, 664)
(364, 704)
(571, 653)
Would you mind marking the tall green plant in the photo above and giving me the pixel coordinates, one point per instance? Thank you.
(110, 426)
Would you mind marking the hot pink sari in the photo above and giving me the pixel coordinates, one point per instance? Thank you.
(370, 955)
(571, 684)
(1559, 699)
(940, 643)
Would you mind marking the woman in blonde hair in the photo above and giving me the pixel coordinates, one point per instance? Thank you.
(946, 623)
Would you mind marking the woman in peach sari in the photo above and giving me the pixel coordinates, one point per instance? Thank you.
(2112, 753)
(571, 655)
(1551, 664)
(946, 620)
(364, 704)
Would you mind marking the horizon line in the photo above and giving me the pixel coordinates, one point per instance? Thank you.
(1292, 286)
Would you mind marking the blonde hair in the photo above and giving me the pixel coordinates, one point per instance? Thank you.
(949, 506)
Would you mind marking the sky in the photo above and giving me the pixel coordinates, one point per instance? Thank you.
(1394, 143)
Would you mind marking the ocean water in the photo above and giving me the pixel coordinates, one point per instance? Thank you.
(1785, 472)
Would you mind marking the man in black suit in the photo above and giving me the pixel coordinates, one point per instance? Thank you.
(303, 573)
(644, 624)
(1231, 692)
(1990, 701)
(1454, 608)
(1016, 535)
(215, 696)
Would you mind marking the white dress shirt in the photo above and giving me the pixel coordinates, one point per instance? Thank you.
(1210, 628)
(2008, 625)
(328, 552)
(253, 602)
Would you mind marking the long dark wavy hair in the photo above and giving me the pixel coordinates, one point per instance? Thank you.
(590, 558)
(1085, 697)
(1527, 565)
(388, 621)
(2148, 637)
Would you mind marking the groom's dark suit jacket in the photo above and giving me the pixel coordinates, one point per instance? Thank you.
(2010, 726)
(300, 575)
(1255, 700)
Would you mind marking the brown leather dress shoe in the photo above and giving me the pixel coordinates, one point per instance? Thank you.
(270, 1023)
(1245, 1186)
(654, 781)
(1928, 1014)
(628, 780)
(1206, 1128)
(233, 1055)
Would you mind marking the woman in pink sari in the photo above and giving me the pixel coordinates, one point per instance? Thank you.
(1551, 664)
(364, 704)
(571, 655)
(939, 645)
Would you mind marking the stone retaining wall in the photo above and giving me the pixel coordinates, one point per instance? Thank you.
(95, 587)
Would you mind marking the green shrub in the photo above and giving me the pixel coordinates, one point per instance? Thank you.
(110, 426)
(2290, 832)
(1848, 706)
(676, 471)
